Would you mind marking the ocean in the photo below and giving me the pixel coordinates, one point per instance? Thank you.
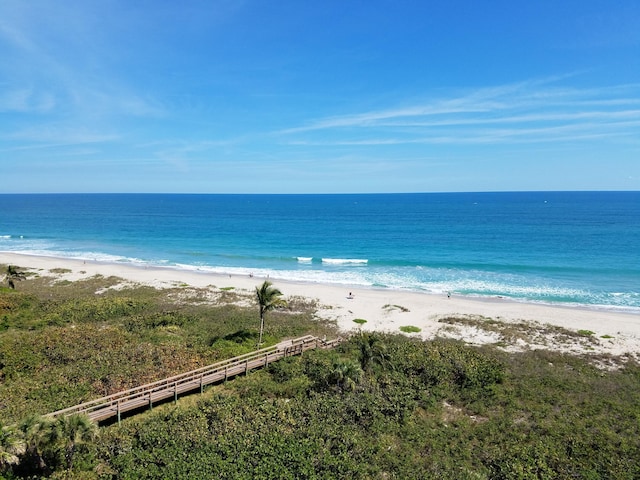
(567, 248)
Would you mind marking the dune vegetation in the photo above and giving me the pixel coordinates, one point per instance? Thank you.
(378, 406)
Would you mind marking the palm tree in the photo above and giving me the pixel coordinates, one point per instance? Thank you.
(67, 433)
(371, 350)
(13, 275)
(11, 446)
(345, 374)
(268, 298)
(35, 430)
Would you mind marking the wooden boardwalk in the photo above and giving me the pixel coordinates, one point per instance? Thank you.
(113, 406)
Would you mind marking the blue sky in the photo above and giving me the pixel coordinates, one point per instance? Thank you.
(284, 96)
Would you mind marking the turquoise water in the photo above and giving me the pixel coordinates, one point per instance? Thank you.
(578, 248)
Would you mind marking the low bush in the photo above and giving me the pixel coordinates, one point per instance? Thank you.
(410, 329)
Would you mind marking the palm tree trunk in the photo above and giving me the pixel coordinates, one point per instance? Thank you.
(261, 328)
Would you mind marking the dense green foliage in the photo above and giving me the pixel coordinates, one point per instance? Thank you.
(378, 406)
(62, 344)
(435, 410)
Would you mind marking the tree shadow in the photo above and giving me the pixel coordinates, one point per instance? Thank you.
(240, 336)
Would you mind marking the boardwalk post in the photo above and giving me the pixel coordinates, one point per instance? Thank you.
(118, 410)
(201, 384)
(175, 392)
(246, 368)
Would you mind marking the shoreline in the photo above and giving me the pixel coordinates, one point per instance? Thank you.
(386, 310)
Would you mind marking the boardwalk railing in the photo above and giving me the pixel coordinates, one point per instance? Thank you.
(146, 395)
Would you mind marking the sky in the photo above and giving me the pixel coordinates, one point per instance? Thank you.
(349, 96)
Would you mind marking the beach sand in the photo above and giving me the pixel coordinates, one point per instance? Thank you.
(516, 325)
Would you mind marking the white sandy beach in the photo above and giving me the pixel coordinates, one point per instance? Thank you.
(388, 310)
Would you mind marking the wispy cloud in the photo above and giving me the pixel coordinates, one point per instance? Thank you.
(535, 111)
(55, 136)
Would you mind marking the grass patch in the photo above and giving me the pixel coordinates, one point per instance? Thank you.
(531, 333)
(410, 329)
(359, 321)
(585, 333)
(59, 270)
(389, 307)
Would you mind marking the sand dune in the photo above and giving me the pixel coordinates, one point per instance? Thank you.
(518, 325)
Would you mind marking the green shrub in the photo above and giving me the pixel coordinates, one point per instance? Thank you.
(410, 329)
(586, 333)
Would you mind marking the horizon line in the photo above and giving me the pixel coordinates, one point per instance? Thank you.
(326, 193)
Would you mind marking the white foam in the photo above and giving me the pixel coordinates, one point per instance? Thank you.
(357, 272)
(89, 256)
(345, 261)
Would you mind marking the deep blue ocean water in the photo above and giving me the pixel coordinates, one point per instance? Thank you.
(578, 248)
